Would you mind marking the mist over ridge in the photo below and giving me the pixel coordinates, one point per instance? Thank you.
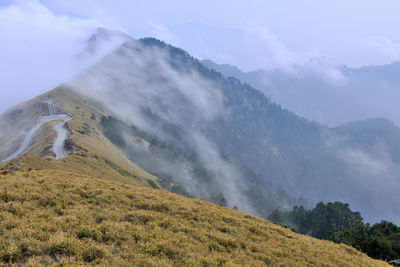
(324, 91)
(224, 118)
(228, 131)
(169, 95)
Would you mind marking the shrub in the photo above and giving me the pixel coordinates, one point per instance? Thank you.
(92, 253)
(88, 233)
(60, 247)
(138, 218)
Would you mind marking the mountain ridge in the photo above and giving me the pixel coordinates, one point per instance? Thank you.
(234, 123)
(326, 92)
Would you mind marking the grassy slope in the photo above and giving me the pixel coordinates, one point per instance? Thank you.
(93, 145)
(53, 216)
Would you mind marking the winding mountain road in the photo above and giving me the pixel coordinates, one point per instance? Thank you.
(62, 133)
(58, 146)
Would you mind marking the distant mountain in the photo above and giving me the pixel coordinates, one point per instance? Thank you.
(372, 136)
(225, 69)
(326, 92)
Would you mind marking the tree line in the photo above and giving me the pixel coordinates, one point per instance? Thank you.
(335, 221)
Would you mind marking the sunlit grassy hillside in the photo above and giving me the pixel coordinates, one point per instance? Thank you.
(50, 217)
(92, 153)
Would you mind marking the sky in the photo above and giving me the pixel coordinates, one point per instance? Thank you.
(42, 39)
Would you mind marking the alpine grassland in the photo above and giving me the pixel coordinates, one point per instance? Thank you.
(56, 217)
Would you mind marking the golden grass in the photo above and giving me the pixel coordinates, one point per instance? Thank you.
(92, 166)
(55, 217)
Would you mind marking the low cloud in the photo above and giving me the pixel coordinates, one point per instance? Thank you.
(325, 69)
(136, 78)
(40, 50)
(385, 46)
(162, 32)
(275, 51)
(374, 182)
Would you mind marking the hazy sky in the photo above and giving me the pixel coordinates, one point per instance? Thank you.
(40, 40)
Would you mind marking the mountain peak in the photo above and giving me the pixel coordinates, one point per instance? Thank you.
(103, 37)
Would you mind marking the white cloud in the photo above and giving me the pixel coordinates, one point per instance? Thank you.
(274, 49)
(365, 162)
(326, 69)
(38, 50)
(138, 77)
(161, 32)
(385, 46)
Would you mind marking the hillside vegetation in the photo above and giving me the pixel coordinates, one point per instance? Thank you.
(338, 223)
(55, 217)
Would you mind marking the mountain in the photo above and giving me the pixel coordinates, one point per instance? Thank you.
(354, 163)
(120, 136)
(150, 115)
(150, 106)
(372, 136)
(225, 69)
(326, 92)
(105, 39)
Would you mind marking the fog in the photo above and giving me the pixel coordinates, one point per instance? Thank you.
(261, 35)
(46, 43)
(375, 183)
(137, 78)
(40, 50)
(324, 91)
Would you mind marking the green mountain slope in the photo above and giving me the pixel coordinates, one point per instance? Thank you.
(230, 125)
